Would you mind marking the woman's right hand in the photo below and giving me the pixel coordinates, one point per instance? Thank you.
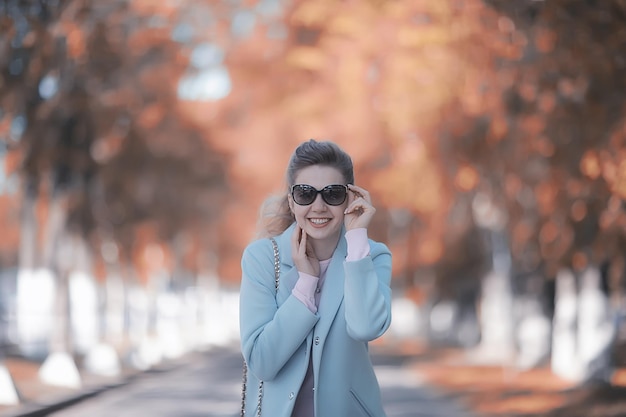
(303, 254)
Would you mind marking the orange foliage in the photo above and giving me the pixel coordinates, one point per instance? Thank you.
(580, 261)
(549, 232)
(145, 39)
(619, 182)
(164, 9)
(9, 224)
(76, 45)
(546, 194)
(150, 255)
(513, 185)
(12, 161)
(545, 40)
(432, 99)
(578, 210)
(430, 250)
(466, 178)
(151, 116)
(411, 181)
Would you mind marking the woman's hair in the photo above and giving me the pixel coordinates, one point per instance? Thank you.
(276, 216)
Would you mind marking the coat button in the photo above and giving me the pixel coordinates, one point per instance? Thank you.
(317, 340)
(291, 395)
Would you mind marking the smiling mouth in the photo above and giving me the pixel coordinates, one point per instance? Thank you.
(319, 221)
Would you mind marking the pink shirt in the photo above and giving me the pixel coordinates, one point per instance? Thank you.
(308, 287)
(308, 290)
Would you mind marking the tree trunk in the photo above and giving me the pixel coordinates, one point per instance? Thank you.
(28, 230)
(496, 314)
(584, 328)
(34, 287)
(103, 358)
(596, 327)
(534, 328)
(59, 368)
(8, 391)
(565, 363)
(114, 309)
(60, 339)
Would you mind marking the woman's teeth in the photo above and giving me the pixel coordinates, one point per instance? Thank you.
(319, 221)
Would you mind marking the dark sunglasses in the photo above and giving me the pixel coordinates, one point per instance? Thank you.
(333, 195)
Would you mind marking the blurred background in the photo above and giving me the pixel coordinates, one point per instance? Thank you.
(139, 138)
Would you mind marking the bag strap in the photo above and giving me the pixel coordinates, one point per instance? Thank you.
(244, 382)
(276, 263)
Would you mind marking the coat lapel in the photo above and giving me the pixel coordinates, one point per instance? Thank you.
(288, 271)
(330, 301)
(332, 290)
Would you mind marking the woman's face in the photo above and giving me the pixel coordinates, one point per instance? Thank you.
(319, 220)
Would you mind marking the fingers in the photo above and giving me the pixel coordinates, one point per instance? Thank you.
(358, 206)
(360, 210)
(303, 253)
(359, 200)
(298, 240)
(359, 203)
(302, 247)
(359, 192)
(303, 242)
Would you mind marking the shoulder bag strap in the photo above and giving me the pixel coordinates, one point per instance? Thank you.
(245, 366)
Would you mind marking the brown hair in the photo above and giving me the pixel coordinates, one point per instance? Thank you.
(276, 216)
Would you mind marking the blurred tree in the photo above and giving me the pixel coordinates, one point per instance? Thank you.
(88, 91)
(354, 73)
(123, 112)
(449, 107)
(549, 121)
(561, 109)
(89, 103)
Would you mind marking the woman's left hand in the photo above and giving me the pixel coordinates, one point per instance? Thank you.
(360, 211)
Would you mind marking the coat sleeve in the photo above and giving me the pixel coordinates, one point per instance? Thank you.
(368, 294)
(270, 334)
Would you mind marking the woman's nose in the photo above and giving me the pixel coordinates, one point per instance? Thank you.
(319, 202)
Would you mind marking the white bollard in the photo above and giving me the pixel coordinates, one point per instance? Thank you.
(8, 392)
(59, 369)
(102, 359)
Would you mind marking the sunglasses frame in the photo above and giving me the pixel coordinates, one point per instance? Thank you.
(293, 187)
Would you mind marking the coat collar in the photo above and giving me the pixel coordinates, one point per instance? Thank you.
(332, 291)
(284, 247)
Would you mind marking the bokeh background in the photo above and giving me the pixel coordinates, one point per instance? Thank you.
(139, 138)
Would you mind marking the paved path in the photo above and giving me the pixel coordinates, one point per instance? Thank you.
(405, 394)
(209, 386)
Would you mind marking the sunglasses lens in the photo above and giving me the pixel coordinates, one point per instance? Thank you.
(334, 195)
(304, 194)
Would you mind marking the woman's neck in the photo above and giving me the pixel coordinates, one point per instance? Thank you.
(325, 248)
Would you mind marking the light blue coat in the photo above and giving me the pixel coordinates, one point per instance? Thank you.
(278, 332)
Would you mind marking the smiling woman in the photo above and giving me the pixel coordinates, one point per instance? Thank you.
(314, 295)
